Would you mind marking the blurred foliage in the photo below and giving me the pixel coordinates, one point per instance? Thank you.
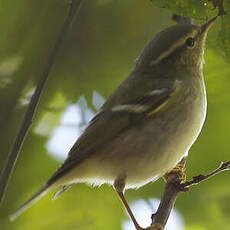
(196, 9)
(98, 54)
(202, 10)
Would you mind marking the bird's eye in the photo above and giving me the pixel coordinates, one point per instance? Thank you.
(190, 42)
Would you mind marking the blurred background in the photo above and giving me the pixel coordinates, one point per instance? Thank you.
(97, 54)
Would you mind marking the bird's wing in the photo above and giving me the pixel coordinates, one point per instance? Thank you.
(102, 129)
(109, 123)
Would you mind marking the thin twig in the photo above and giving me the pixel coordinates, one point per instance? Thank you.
(172, 189)
(197, 179)
(31, 110)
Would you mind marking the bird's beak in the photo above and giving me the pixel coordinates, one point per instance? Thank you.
(206, 26)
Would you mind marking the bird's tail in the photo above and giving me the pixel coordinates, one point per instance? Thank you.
(38, 195)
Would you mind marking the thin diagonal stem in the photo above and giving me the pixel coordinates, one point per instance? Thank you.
(197, 179)
(31, 110)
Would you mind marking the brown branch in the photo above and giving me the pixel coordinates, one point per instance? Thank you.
(167, 203)
(197, 179)
(173, 187)
(31, 110)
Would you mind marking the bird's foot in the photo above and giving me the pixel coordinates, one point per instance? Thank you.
(177, 172)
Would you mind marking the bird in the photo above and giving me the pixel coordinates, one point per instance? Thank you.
(147, 125)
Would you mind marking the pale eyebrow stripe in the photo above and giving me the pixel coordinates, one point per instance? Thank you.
(173, 47)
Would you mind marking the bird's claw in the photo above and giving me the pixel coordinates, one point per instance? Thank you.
(177, 172)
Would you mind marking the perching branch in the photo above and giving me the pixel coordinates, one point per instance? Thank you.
(173, 187)
(167, 203)
(31, 110)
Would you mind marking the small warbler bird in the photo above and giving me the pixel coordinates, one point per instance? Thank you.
(147, 125)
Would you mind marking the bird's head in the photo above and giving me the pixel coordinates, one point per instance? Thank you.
(178, 45)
